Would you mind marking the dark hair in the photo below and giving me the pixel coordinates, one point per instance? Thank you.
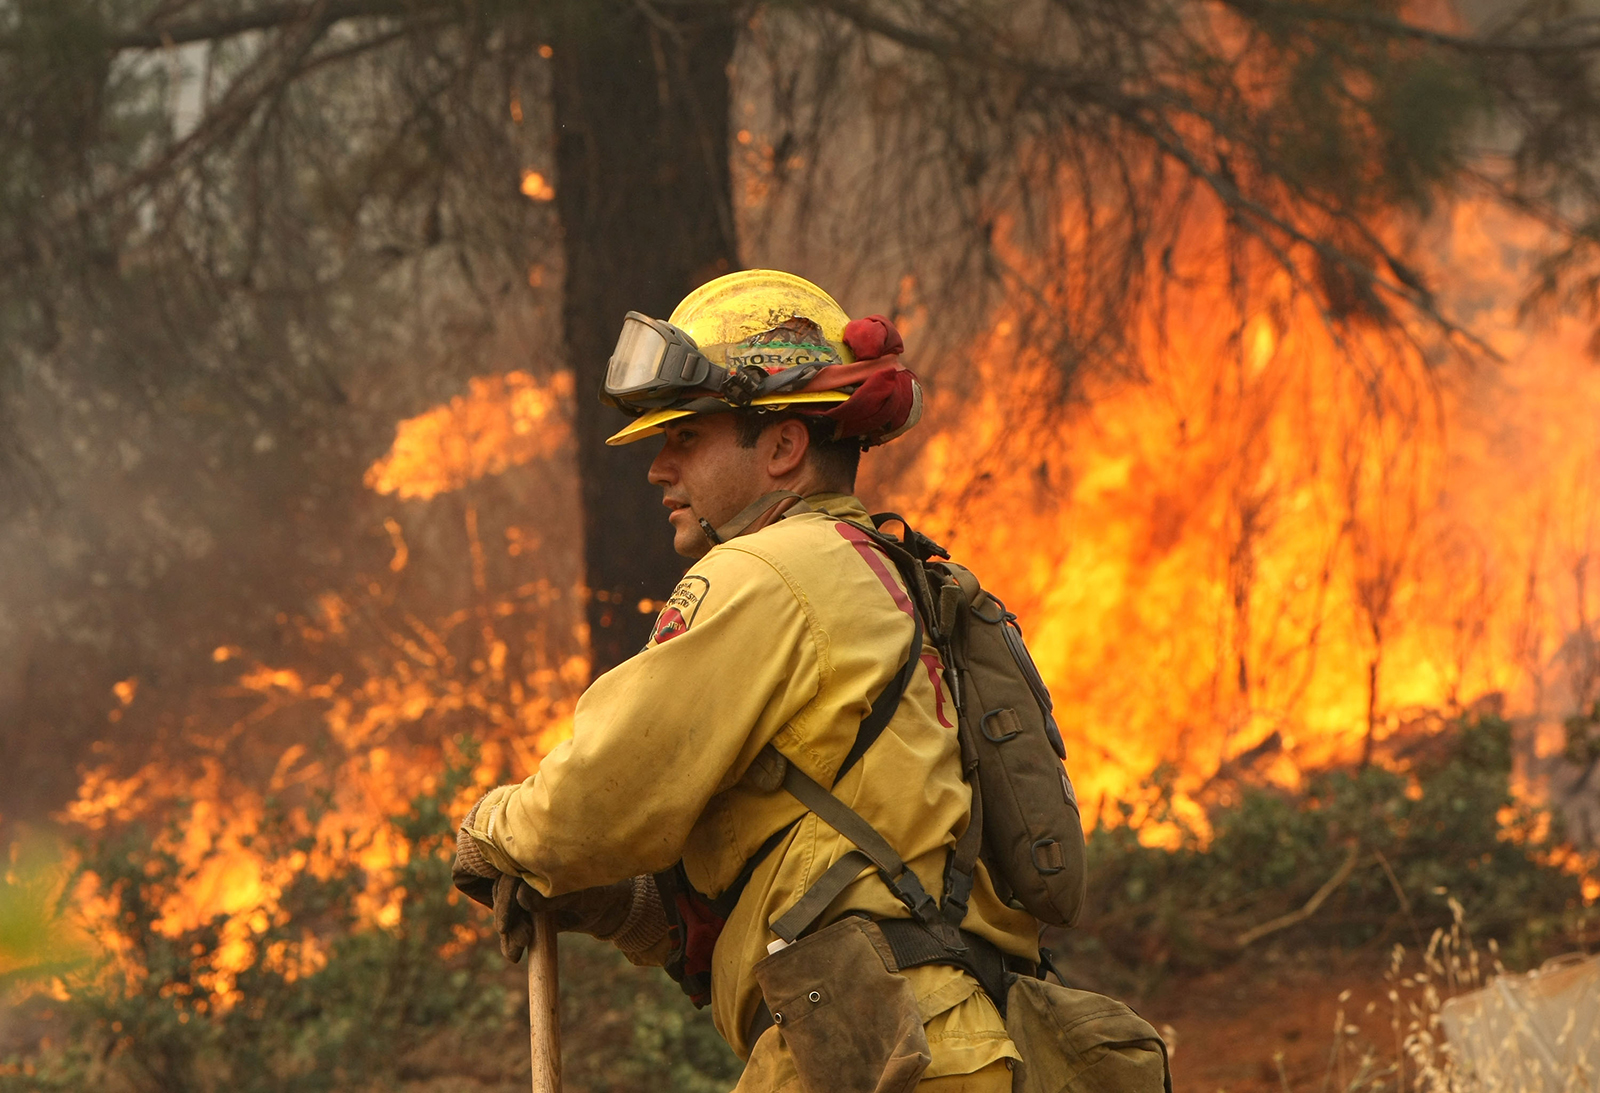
(836, 460)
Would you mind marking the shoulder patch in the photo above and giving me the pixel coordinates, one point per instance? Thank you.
(681, 608)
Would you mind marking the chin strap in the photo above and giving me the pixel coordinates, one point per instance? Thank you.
(756, 515)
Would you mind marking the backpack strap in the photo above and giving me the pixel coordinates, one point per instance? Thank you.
(887, 702)
(871, 848)
(799, 918)
(940, 923)
(910, 556)
(728, 898)
(962, 864)
(872, 726)
(844, 872)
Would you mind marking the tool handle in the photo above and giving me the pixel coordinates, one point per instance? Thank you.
(544, 1006)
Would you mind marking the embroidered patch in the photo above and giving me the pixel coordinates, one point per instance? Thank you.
(681, 607)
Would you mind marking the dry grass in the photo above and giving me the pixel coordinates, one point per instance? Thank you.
(1419, 1056)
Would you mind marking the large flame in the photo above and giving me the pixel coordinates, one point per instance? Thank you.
(503, 421)
(1269, 553)
(1286, 542)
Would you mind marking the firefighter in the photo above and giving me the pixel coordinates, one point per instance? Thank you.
(661, 825)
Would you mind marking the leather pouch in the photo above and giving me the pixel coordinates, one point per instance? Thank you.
(848, 1017)
(1077, 1042)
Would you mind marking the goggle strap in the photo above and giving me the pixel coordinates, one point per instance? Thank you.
(793, 376)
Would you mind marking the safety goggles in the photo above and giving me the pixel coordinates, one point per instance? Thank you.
(653, 361)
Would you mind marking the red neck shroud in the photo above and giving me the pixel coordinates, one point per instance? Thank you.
(886, 391)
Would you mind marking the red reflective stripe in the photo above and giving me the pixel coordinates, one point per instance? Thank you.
(864, 546)
(868, 550)
(931, 661)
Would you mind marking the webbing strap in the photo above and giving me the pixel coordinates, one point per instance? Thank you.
(905, 884)
(840, 875)
(909, 565)
(842, 818)
(728, 899)
(872, 726)
(872, 848)
(939, 923)
(913, 945)
(963, 860)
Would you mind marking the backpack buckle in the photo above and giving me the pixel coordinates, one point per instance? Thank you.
(924, 547)
(917, 544)
(909, 891)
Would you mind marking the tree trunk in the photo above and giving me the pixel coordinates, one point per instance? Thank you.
(641, 113)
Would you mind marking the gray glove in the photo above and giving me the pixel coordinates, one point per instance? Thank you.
(611, 912)
(470, 871)
(600, 912)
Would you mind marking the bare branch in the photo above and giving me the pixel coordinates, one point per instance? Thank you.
(1294, 918)
(268, 17)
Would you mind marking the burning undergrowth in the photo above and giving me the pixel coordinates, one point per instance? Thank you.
(320, 990)
(268, 895)
(326, 756)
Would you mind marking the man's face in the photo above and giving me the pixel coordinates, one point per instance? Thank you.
(704, 474)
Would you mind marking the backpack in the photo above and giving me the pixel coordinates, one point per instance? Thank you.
(1012, 749)
(1025, 824)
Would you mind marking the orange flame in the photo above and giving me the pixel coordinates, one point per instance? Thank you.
(1284, 543)
(504, 421)
(534, 186)
(389, 725)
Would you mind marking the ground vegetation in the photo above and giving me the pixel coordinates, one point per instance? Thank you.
(1378, 858)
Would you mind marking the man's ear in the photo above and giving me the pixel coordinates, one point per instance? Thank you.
(791, 440)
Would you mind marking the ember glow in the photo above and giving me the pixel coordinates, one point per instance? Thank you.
(534, 185)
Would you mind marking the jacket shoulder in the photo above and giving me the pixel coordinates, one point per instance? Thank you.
(796, 537)
(724, 580)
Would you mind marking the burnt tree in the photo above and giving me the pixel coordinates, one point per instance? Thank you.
(641, 116)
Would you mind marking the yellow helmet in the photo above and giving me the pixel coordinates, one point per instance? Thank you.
(761, 317)
(743, 305)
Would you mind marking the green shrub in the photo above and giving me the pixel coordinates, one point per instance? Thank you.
(388, 1011)
(35, 943)
(1447, 827)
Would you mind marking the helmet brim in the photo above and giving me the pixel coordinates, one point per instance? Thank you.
(649, 424)
(645, 425)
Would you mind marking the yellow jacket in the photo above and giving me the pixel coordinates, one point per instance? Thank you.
(783, 636)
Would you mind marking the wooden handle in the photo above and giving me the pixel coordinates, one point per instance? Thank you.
(544, 1006)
